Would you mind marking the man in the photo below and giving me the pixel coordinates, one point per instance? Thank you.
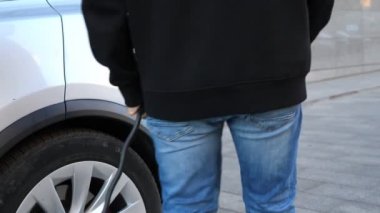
(193, 65)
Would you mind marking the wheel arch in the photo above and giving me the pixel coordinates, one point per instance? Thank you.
(104, 116)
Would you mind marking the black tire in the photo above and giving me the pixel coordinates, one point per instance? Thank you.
(22, 169)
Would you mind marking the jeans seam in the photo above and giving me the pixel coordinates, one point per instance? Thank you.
(188, 129)
(285, 118)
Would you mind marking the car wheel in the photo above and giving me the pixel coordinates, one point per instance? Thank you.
(65, 171)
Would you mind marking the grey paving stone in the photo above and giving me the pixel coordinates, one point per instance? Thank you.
(306, 184)
(302, 210)
(315, 153)
(324, 89)
(231, 202)
(340, 166)
(374, 196)
(348, 193)
(228, 148)
(347, 146)
(316, 135)
(362, 159)
(316, 202)
(355, 207)
(370, 142)
(231, 176)
(221, 210)
(373, 139)
(359, 181)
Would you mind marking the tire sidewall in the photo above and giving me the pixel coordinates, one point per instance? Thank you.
(63, 149)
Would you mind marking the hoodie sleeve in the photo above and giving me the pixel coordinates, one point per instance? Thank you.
(110, 41)
(319, 15)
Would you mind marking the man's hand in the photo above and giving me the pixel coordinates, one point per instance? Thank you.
(133, 111)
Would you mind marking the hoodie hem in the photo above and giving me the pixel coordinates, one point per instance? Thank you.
(228, 100)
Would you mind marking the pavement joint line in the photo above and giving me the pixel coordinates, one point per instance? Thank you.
(230, 210)
(340, 77)
(345, 155)
(343, 199)
(312, 141)
(343, 161)
(328, 69)
(309, 188)
(311, 210)
(232, 193)
(229, 156)
(365, 76)
(334, 157)
(332, 97)
(335, 171)
(339, 95)
(326, 150)
(369, 89)
(343, 173)
(338, 184)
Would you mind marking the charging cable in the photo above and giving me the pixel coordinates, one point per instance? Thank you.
(109, 189)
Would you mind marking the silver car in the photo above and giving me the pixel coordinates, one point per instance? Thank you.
(61, 122)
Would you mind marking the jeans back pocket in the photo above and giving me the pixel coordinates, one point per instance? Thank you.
(275, 119)
(168, 130)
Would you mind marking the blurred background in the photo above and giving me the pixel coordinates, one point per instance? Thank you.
(350, 43)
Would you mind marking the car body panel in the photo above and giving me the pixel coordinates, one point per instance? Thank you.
(85, 77)
(24, 26)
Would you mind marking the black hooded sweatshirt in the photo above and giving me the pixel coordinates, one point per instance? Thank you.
(192, 59)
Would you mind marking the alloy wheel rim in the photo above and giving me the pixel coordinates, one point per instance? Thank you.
(77, 188)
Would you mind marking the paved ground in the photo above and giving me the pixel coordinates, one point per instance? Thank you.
(339, 155)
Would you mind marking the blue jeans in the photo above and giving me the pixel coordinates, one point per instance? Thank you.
(189, 159)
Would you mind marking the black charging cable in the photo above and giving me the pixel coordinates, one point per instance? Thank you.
(123, 152)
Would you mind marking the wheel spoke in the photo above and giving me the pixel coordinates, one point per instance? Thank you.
(27, 204)
(47, 197)
(81, 185)
(123, 181)
(98, 203)
(135, 207)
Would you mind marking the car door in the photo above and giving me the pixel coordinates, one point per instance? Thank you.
(31, 59)
(85, 77)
